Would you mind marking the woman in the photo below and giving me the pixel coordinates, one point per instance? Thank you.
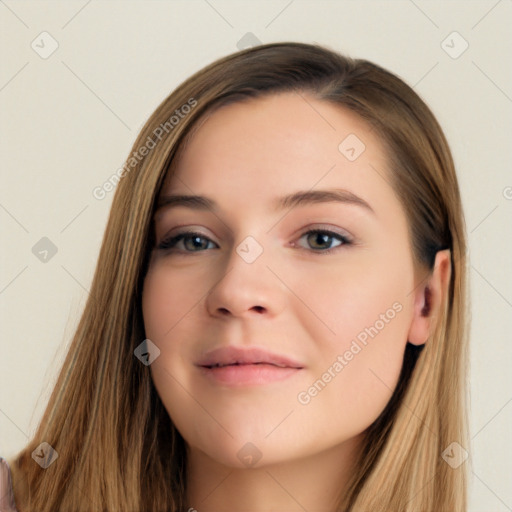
(255, 368)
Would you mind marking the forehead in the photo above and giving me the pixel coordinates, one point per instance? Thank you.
(270, 146)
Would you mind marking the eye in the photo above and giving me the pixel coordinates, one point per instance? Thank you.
(194, 238)
(199, 242)
(323, 238)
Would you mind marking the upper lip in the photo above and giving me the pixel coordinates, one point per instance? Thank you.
(235, 355)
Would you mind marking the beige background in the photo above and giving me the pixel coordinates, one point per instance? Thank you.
(68, 122)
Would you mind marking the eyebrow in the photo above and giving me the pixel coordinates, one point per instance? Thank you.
(301, 198)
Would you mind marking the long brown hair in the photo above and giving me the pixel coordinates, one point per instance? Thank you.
(118, 448)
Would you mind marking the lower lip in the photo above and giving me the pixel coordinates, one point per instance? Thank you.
(247, 374)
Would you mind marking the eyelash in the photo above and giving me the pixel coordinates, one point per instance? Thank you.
(169, 243)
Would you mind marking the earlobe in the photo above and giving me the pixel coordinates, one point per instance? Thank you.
(429, 298)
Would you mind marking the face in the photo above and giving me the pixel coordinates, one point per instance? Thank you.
(281, 324)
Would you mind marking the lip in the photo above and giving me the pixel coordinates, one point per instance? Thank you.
(235, 355)
(249, 366)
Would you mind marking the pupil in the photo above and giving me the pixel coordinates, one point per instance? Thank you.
(321, 238)
(196, 241)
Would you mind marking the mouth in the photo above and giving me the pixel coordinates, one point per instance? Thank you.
(235, 366)
(223, 365)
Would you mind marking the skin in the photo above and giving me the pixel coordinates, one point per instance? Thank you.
(293, 299)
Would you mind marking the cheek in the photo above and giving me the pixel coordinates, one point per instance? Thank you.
(355, 380)
(167, 298)
(359, 358)
(345, 302)
(162, 312)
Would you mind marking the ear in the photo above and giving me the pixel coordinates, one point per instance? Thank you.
(428, 299)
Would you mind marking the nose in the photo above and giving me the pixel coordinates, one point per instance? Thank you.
(246, 287)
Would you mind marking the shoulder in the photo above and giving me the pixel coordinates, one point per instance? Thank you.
(6, 491)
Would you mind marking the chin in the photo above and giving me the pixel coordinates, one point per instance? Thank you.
(247, 454)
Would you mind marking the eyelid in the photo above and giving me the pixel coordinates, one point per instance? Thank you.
(326, 227)
(187, 230)
(182, 234)
(345, 239)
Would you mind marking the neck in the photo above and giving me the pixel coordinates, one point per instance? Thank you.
(310, 483)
